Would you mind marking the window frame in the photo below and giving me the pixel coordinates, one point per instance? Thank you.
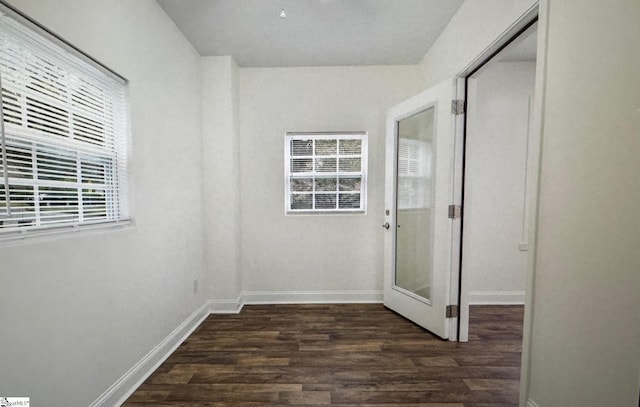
(313, 175)
(113, 149)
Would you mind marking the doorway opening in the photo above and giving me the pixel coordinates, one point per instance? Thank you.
(497, 188)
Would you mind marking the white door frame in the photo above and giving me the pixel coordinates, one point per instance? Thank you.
(503, 41)
(541, 10)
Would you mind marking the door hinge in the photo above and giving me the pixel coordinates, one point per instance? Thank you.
(455, 211)
(457, 106)
(452, 311)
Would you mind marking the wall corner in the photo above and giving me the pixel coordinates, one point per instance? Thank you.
(221, 177)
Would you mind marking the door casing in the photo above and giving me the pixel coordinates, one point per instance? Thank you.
(540, 11)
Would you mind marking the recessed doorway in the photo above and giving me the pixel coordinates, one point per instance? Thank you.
(499, 158)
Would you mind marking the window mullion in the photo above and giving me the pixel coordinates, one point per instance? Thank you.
(79, 189)
(67, 80)
(36, 188)
(313, 178)
(313, 191)
(3, 147)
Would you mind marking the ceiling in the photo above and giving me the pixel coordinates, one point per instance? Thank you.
(314, 32)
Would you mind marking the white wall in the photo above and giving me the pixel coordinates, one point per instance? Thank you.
(586, 320)
(313, 253)
(77, 313)
(586, 325)
(472, 29)
(499, 98)
(221, 176)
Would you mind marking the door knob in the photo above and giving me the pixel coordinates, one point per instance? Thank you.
(386, 225)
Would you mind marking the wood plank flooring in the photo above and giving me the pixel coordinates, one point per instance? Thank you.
(339, 355)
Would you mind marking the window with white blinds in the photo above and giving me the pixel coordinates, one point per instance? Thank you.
(414, 174)
(325, 172)
(64, 132)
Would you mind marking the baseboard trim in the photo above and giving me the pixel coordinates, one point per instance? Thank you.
(122, 389)
(291, 297)
(531, 403)
(496, 298)
(311, 297)
(226, 306)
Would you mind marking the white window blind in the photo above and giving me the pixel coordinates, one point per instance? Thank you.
(63, 152)
(325, 172)
(414, 174)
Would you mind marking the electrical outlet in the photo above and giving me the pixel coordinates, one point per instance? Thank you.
(195, 286)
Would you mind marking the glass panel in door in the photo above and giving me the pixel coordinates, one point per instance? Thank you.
(413, 271)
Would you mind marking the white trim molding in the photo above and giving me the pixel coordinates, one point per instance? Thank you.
(226, 306)
(234, 306)
(310, 297)
(496, 298)
(124, 387)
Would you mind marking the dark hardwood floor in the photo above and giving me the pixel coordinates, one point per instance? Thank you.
(339, 355)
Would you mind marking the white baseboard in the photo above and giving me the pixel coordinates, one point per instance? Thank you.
(496, 298)
(226, 306)
(531, 403)
(122, 389)
(311, 297)
(130, 381)
(292, 297)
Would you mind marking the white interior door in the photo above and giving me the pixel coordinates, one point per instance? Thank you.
(420, 239)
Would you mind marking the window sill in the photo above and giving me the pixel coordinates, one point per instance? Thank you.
(325, 213)
(55, 233)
